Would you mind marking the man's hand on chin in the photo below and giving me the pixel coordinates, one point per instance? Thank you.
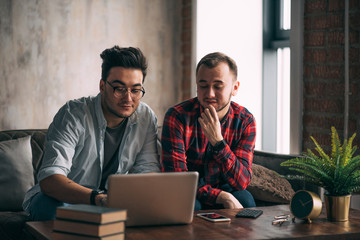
(210, 125)
(228, 200)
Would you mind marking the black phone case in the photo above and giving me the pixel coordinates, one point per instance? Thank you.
(249, 213)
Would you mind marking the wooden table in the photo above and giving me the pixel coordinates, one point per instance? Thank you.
(238, 228)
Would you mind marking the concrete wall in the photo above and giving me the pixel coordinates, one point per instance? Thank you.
(49, 53)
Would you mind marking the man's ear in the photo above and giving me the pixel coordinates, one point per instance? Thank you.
(102, 86)
(235, 88)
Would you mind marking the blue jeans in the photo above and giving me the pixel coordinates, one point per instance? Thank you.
(243, 196)
(43, 207)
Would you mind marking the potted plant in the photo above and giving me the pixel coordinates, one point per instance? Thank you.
(338, 173)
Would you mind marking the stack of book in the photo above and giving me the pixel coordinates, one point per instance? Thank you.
(82, 222)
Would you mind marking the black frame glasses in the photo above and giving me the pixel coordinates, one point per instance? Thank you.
(121, 92)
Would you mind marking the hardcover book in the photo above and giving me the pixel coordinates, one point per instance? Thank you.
(91, 213)
(87, 228)
(72, 236)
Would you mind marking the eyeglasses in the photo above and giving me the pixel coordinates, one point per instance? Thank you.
(120, 92)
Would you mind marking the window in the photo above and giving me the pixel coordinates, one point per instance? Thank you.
(276, 79)
(283, 79)
(283, 101)
(224, 26)
(260, 44)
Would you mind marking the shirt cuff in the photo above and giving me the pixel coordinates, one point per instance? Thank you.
(208, 195)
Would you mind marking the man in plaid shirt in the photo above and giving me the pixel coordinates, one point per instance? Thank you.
(212, 135)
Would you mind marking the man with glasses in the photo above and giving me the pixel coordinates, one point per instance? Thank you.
(93, 137)
(212, 135)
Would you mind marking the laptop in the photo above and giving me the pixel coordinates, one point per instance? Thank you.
(154, 198)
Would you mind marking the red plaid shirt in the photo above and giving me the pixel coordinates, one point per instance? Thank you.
(185, 148)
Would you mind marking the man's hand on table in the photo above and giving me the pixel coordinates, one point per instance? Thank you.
(228, 200)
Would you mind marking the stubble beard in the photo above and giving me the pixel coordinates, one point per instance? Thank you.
(114, 112)
(119, 115)
(219, 109)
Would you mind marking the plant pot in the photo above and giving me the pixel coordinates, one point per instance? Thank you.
(337, 207)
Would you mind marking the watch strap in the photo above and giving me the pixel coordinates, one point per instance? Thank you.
(219, 146)
(93, 194)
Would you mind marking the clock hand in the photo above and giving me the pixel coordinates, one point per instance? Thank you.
(301, 202)
(307, 202)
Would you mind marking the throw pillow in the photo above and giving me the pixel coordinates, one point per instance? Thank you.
(16, 173)
(267, 185)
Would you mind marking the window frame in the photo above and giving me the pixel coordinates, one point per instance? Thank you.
(273, 38)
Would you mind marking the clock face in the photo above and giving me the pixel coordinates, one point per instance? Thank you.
(301, 204)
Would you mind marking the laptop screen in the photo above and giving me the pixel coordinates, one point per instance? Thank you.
(154, 198)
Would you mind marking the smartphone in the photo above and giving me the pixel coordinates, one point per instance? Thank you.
(213, 217)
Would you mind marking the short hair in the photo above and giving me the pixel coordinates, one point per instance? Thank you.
(211, 60)
(122, 57)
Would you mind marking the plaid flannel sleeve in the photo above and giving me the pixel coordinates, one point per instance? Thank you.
(232, 164)
(236, 163)
(173, 147)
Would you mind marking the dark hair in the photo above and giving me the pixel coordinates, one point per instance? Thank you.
(211, 60)
(122, 57)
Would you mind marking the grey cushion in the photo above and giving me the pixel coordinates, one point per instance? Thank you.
(37, 143)
(16, 162)
(267, 185)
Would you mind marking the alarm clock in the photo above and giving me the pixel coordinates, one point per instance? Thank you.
(306, 205)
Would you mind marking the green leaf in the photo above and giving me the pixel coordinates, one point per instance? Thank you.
(335, 143)
(320, 150)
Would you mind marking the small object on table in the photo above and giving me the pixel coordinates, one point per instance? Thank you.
(306, 205)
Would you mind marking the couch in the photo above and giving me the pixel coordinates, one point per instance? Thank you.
(21, 153)
(14, 145)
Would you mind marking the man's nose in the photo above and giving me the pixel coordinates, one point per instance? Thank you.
(211, 92)
(128, 95)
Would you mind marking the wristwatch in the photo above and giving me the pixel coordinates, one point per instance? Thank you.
(219, 146)
(93, 194)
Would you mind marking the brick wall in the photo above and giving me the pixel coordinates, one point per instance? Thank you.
(324, 65)
(186, 48)
(324, 70)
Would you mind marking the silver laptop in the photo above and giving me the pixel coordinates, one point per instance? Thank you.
(154, 198)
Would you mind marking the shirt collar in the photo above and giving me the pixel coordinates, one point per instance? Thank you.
(99, 112)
